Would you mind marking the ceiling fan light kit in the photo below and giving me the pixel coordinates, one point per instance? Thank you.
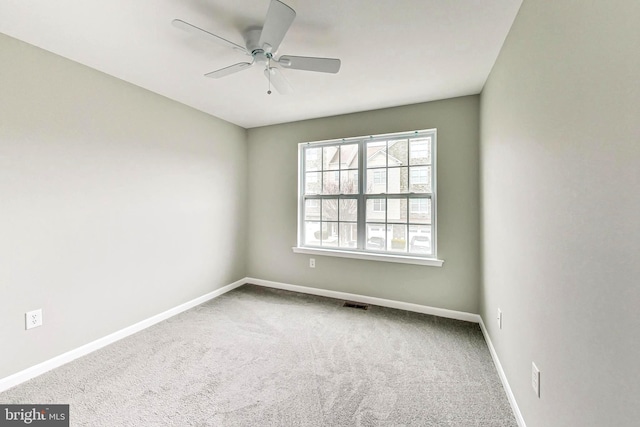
(261, 44)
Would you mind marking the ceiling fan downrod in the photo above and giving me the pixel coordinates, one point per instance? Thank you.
(269, 71)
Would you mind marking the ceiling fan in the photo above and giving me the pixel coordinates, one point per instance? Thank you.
(261, 43)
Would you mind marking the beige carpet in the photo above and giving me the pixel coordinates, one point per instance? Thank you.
(264, 357)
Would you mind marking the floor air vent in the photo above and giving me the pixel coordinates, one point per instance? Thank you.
(357, 305)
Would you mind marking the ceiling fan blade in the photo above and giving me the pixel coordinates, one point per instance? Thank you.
(322, 65)
(278, 20)
(278, 81)
(229, 70)
(178, 23)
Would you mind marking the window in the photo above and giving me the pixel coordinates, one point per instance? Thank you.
(370, 196)
(380, 177)
(419, 176)
(418, 206)
(419, 149)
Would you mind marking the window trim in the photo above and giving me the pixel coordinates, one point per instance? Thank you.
(407, 258)
(370, 256)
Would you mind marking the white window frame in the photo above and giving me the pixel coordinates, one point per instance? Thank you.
(360, 251)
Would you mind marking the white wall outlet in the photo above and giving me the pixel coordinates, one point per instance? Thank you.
(312, 262)
(499, 318)
(535, 378)
(33, 319)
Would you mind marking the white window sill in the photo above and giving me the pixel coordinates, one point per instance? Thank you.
(403, 259)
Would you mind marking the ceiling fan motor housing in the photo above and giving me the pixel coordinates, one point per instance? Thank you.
(252, 38)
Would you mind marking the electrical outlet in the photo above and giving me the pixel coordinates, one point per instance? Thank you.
(312, 262)
(535, 378)
(499, 319)
(33, 319)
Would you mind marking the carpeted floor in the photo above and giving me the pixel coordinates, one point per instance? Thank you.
(265, 357)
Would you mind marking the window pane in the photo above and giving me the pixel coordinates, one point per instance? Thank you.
(376, 181)
(348, 235)
(330, 234)
(398, 181)
(397, 210)
(312, 159)
(398, 236)
(330, 158)
(398, 153)
(312, 210)
(312, 233)
(420, 179)
(349, 182)
(420, 239)
(348, 210)
(420, 211)
(376, 209)
(330, 183)
(312, 183)
(349, 156)
(329, 209)
(420, 151)
(376, 237)
(376, 154)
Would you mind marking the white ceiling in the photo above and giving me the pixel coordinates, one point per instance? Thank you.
(393, 52)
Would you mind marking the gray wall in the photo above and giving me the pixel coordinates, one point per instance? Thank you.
(115, 204)
(273, 207)
(560, 132)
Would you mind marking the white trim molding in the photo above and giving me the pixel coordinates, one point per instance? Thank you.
(403, 259)
(39, 369)
(417, 308)
(442, 312)
(503, 376)
(32, 372)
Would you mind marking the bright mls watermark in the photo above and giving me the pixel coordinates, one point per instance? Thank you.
(34, 415)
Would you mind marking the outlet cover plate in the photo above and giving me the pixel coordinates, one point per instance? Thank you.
(33, 319)
(535, 379)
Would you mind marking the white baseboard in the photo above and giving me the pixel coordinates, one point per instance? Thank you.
(41, 368)
(34, 371)
(452, 314)
(503, 377)
(442, 312)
